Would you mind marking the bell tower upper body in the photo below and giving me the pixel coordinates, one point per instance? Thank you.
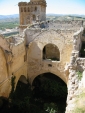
(33, 11)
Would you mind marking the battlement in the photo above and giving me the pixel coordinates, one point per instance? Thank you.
(22, 3)
(43, 3)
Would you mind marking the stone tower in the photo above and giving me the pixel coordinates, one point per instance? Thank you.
(31, 12)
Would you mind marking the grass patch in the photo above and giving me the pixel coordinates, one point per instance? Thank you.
(79, 75)
(80, 103)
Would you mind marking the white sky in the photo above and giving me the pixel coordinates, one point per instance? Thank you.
(53, 6)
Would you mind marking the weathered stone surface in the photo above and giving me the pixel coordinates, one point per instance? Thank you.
(51, 46)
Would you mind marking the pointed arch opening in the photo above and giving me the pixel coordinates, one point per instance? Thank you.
(51, 52)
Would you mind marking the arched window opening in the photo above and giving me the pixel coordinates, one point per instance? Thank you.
(24, 9)
(21, 9)
(51, 52)
(49, 88)
(35, 8)
(34, 17)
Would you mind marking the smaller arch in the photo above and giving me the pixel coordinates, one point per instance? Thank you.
(51, 51)
(48, 85)
(23, 79)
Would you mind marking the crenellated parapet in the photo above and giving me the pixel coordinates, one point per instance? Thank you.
(32, 3)
(22, 3)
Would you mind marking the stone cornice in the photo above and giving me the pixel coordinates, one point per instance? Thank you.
(32, 3)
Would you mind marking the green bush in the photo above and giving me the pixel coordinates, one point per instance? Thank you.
(79, 75)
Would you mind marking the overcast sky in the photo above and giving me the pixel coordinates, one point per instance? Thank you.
(53, 6)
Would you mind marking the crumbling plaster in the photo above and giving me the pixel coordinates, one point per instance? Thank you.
(23, 55)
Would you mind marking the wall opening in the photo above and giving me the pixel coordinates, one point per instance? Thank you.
(82, 50)
(51, 90)
(35, 8)
(51, 51)
(34, 17)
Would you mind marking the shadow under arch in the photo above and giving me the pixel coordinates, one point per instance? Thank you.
(51, 89)
(57, 73)
(51, 51)
(23, 79)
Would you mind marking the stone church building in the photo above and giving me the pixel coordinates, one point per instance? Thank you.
(41, 47)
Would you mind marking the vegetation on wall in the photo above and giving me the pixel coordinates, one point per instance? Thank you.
(80, 105)
(79, 73)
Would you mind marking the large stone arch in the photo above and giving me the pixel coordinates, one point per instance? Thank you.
(5, 84)
(42, 85)
(3, 66)
(56, 73)
(53, 73)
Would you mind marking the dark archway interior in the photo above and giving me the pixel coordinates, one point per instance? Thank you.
(48, 95)
(82, 51)
(51, 51)
(51, 90)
